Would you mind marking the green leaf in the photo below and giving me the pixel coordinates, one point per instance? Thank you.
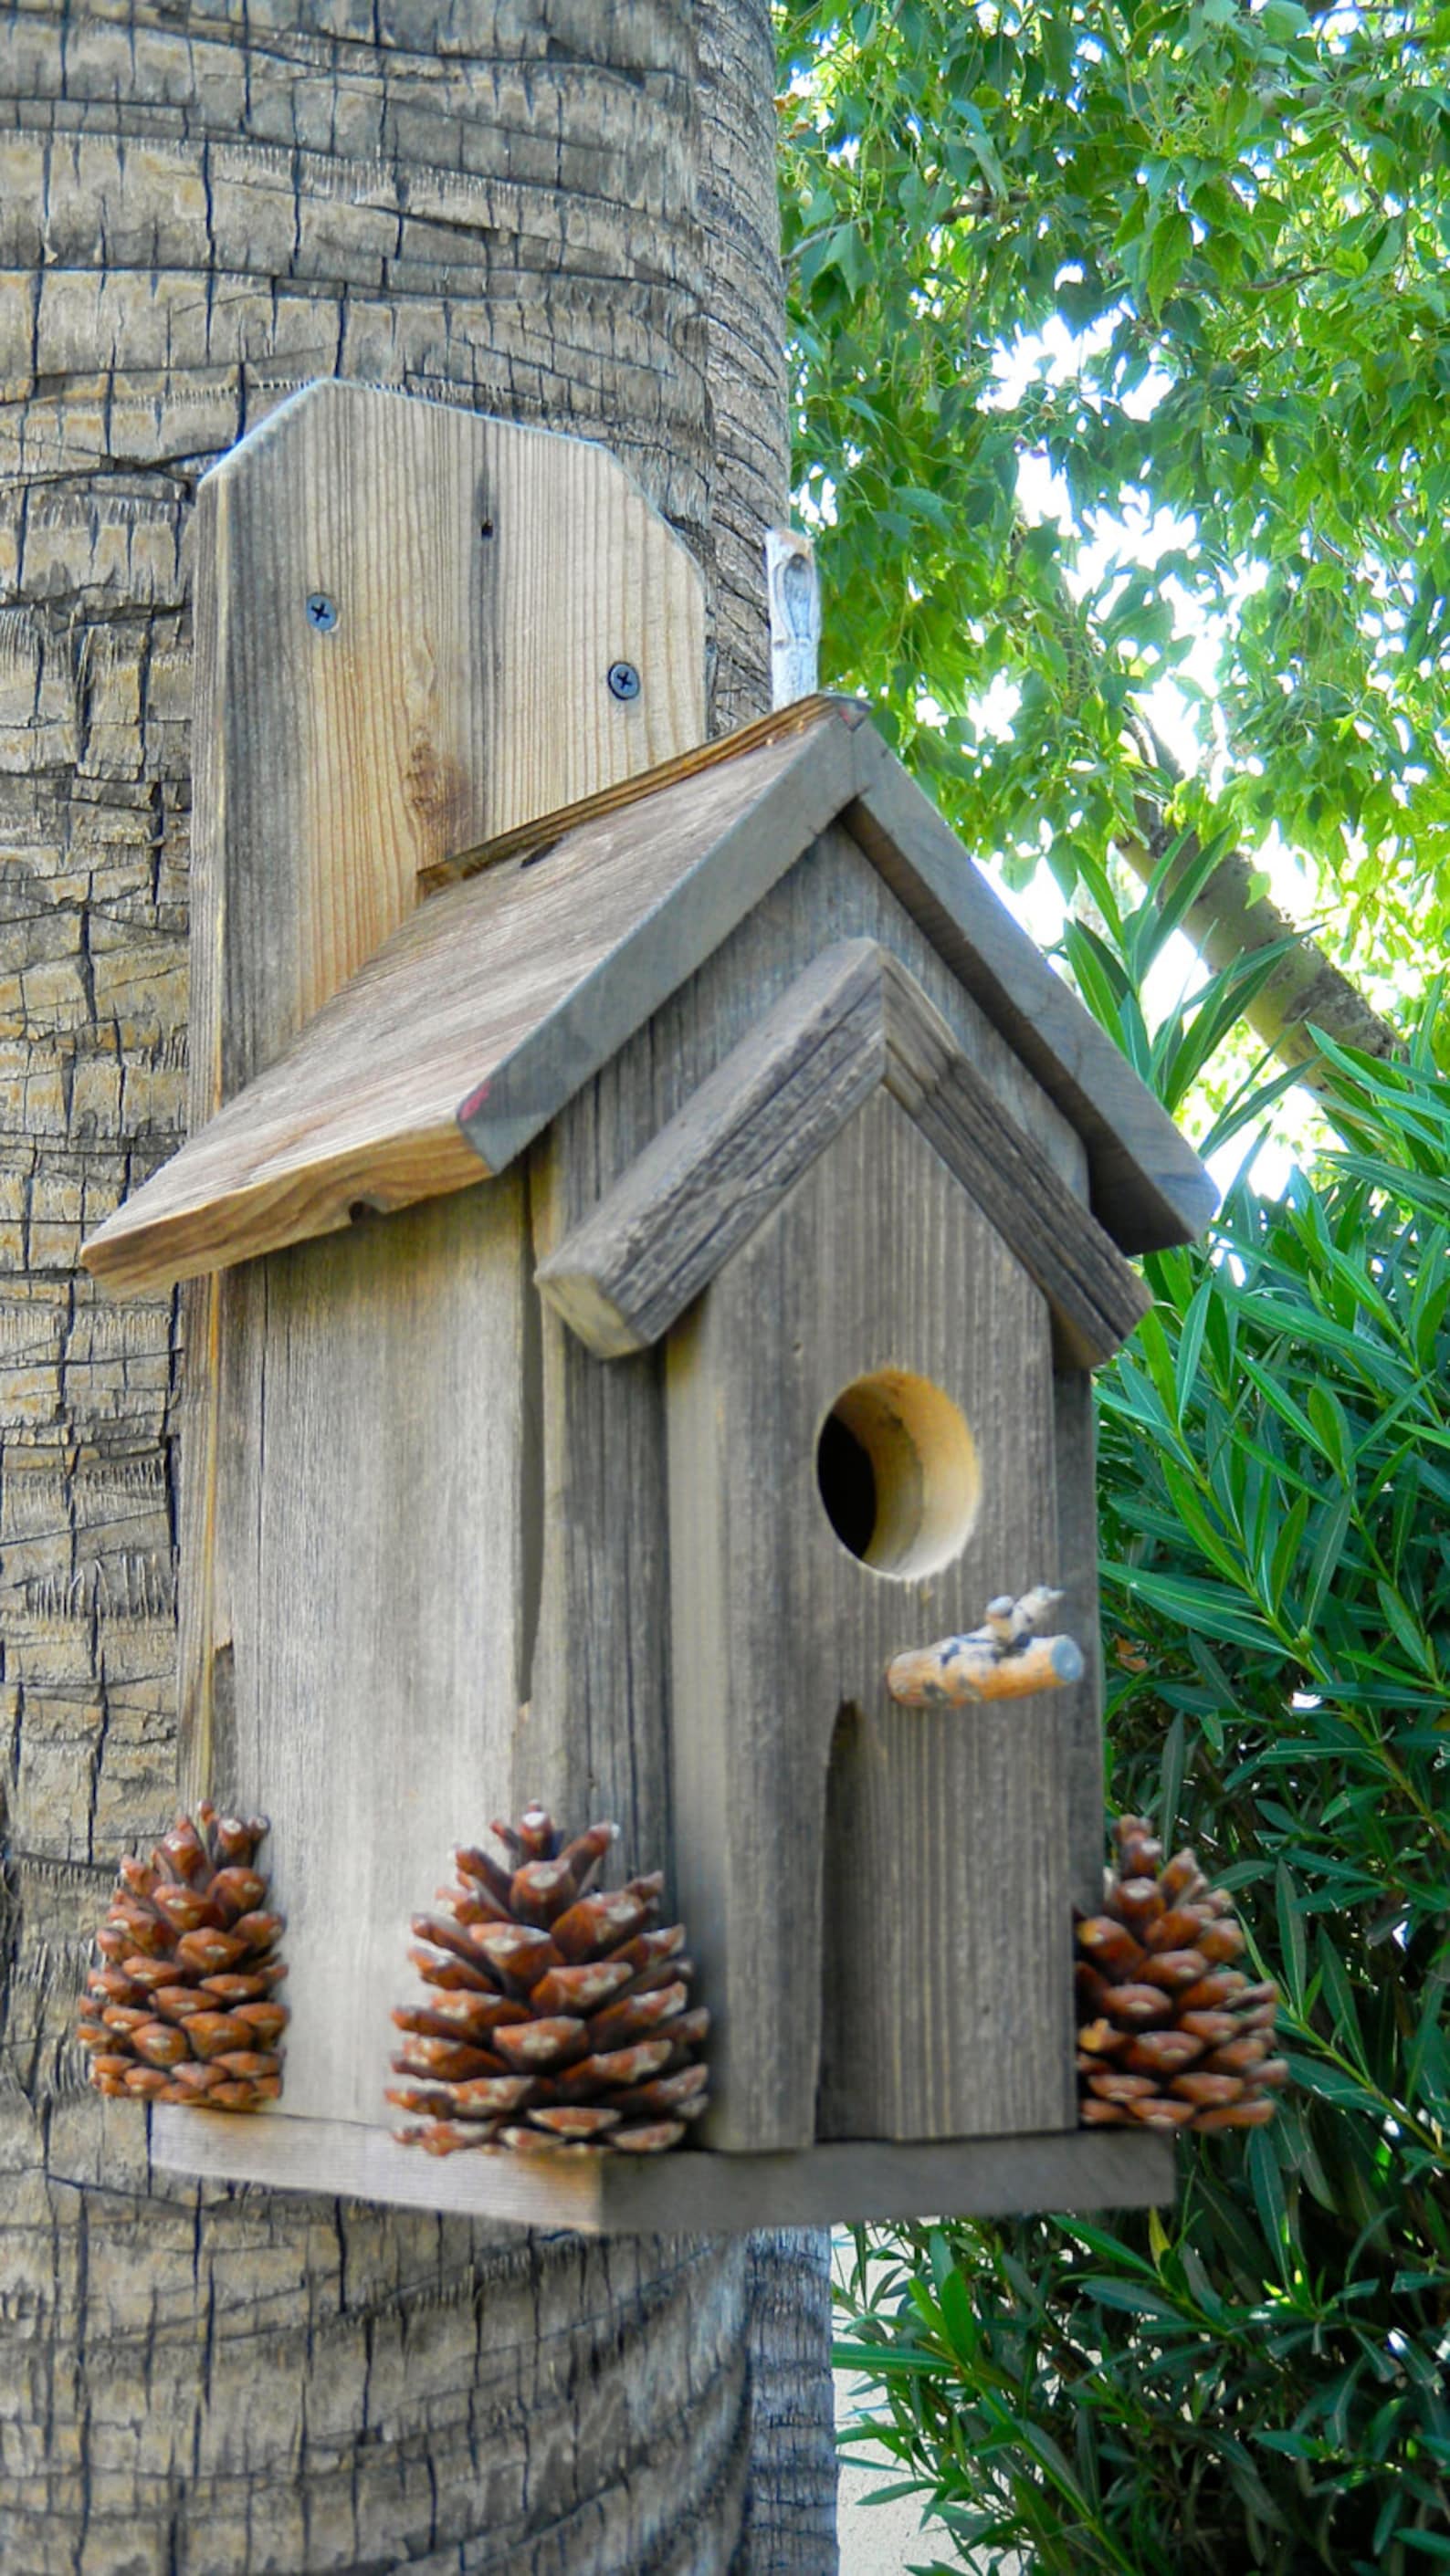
(1211, 1607)
(1268, 2190)
(1168, 247)
(1291, 1935)
(1175, 1760)
(1131, 2296)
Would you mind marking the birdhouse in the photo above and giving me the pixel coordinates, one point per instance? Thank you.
(651, 1217)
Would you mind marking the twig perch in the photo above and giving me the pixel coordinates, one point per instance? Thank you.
(1003, 1659)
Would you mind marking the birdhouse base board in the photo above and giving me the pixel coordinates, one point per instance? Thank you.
(687, 2192)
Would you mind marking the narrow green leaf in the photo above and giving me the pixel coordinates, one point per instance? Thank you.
(1171, 1775)
(1291, 1935)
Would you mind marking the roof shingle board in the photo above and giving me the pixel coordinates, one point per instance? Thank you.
(440, 1060)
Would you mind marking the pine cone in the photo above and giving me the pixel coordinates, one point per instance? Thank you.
(181, 2006)
(1170, 2033)
(558, 2019)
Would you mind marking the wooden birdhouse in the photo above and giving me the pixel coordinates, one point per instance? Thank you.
(648, 1263)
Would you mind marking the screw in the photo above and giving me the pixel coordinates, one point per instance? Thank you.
(320, 612)
(623, 680)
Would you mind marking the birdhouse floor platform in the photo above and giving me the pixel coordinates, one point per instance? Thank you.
(688, 2192)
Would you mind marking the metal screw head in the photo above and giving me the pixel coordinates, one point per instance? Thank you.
(321, 612)
(623, 680)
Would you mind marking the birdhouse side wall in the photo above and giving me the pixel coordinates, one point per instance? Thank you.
(910, 1868)
(371, 1541)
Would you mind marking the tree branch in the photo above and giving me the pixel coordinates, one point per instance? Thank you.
(1227, 922)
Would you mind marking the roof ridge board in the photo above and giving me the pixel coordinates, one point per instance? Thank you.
(539, 836)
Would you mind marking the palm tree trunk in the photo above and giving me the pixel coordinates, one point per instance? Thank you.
(545, 208)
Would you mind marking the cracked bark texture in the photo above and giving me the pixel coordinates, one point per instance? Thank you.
(563, 211)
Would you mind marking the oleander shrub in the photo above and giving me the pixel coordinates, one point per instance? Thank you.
(1258, 2377)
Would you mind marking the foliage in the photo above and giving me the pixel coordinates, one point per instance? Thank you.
(1229, 218)
(1262, 2380)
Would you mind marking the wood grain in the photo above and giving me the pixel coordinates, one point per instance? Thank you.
(690, 2190)
(542, 830)
(1081, 1703)
(476, 1021)
(709, 1178)
(481, 578)
(936, 1857)
(855, 1019)
(372, 1397)
(1095, 1298)
(1148, 1186)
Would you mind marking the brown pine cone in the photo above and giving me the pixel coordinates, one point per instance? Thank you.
(1171, 2035)
(181, 2005)
(557, 2020)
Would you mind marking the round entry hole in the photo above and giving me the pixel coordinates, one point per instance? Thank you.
(898, 1473)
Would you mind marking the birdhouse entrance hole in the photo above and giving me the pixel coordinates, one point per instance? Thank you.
(898, 1473)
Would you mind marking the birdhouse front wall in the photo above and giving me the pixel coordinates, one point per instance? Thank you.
(595, 1734)
(878, 1896)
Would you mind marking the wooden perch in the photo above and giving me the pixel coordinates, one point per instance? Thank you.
(1003, 1659)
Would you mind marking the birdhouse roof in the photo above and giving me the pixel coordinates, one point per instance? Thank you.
(535, 960)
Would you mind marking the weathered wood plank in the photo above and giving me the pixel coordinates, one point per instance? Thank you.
(373, 1395)
(1096, 1299)
(945, 1960)
(709, 1178)
(542, 830)
(1148, 1186)
(482, 1014)
(1075, 1442)
(854, 1019)
(414, 615)
(691, 2191)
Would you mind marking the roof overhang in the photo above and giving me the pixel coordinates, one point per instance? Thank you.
(508, 989)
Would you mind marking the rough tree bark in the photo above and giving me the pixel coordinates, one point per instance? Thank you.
(562, 211)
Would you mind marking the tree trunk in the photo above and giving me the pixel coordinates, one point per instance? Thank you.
(1229, 922)
(559, 211)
